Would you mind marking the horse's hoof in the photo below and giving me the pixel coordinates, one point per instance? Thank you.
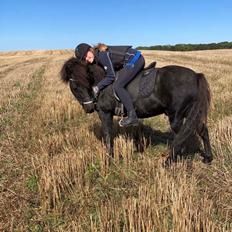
(207, 160)
(168, 162)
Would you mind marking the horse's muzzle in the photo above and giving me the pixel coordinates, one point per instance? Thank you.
(89, 108)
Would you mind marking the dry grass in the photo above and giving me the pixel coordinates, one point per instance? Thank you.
(54, 171)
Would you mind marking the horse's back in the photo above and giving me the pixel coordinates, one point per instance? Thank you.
(178, 72)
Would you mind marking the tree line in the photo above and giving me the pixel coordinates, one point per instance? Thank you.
(189, 47)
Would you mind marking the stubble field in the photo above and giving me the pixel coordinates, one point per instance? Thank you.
(54, 174)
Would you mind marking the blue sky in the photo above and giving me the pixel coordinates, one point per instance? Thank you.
(50, 24)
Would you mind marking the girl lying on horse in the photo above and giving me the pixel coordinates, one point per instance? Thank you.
(121, 64)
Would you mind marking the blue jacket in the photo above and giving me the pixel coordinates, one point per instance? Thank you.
(112, 60)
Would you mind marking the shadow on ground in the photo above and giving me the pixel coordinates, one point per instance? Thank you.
(145, 136)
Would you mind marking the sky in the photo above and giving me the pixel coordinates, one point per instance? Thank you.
(50, 24)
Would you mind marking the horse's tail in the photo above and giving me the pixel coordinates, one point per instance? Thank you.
(197, 112)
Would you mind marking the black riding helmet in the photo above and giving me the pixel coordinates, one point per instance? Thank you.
(81, 50)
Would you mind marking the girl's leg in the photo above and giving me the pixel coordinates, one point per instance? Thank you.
(124, 77)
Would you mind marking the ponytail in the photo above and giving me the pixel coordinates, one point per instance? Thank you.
(101, 47)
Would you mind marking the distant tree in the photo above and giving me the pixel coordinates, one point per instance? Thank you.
(189, 47)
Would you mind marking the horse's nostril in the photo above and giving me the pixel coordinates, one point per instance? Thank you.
(89, 108)
(90, 111)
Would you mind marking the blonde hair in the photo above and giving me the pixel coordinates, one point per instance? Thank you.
(101, 47)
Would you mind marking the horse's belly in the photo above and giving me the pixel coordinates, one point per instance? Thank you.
(148, 107)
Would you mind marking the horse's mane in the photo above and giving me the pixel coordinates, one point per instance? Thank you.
(96, 72)
(77, 71)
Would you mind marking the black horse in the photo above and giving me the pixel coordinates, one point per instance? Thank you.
(178, 92)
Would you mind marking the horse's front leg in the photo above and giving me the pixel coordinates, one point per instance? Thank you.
(107, 126)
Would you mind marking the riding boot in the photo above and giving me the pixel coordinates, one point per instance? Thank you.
(131, 120)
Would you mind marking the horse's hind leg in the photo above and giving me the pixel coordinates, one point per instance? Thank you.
(204, 134)
(175, 123)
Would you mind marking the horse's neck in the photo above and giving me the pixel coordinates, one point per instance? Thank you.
(98, 73)
(97, 80)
